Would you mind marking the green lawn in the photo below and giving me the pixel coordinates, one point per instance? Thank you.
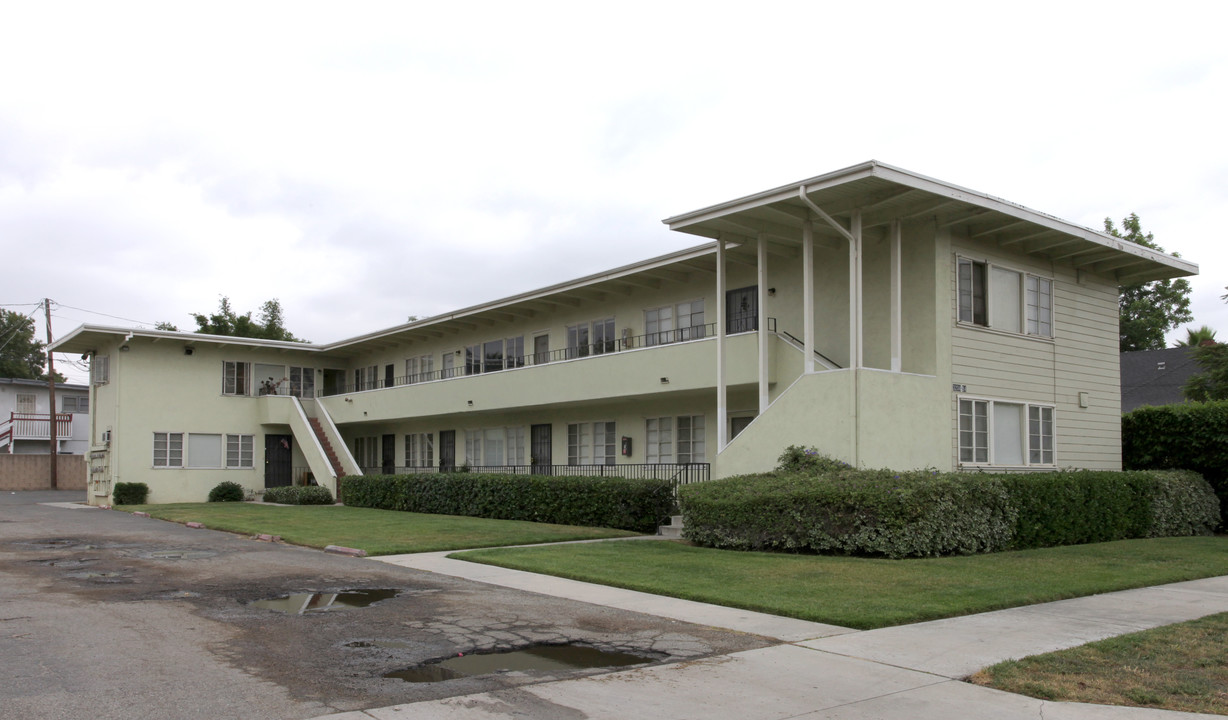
(379, 532)
(1176, 667)
(868, 593)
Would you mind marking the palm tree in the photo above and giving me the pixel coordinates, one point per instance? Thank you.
(1197, 337)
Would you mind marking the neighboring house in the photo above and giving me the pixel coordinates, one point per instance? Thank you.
(1156, 377)
(25, 422)
(886, 318)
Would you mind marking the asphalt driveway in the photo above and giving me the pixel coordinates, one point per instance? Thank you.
(108, 615)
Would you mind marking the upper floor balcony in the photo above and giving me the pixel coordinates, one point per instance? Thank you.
(672, 361)
(34, 426)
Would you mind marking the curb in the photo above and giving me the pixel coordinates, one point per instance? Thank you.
(339, 550)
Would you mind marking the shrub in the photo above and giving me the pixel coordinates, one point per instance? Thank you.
(798, 459)
(927, 513)
(299, 495)
(226, 491)
(639, 504)
(130, 493)
(1191, 436)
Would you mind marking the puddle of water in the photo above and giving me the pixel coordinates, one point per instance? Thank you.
(549, 658)
(301, 603)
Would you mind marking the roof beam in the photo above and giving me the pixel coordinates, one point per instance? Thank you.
(998, 229)
(1024, 237)
(961, 217)
(668, 274)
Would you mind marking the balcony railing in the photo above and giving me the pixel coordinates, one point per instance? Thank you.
(35, 426)
(677, 473)
(489, 364)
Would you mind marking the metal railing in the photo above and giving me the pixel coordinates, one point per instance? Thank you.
(483, 365)
(677, 473)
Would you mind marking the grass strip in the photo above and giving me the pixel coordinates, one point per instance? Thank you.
(379, 532)
(1176, 667)
(867, 593)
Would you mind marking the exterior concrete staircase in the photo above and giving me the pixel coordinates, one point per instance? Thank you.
(333, 460)
(673, 530)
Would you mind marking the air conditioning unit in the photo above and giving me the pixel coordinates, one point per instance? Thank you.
(106, 437)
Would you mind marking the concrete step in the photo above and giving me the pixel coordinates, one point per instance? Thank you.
(674, 529)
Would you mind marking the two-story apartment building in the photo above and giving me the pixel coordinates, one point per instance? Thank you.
(25, 417)
(887, 318)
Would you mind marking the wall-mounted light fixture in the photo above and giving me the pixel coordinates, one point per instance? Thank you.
(349, 400)
(665, 381)
(470, 403)
(189, 350)
(771, 291)
(124, 348)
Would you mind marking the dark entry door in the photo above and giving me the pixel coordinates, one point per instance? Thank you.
(742, 310)
(389, 379)
(447, 450)
(277, 460)
(388, 454)
(540, 446)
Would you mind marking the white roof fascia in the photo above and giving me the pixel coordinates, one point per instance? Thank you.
(182, 336)
(539, 294)
(907, 178)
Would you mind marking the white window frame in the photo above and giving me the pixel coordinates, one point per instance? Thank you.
(1031, 444)
(674, 323)
(232, 370)
(241, 447)
(690, 439)
(420, 450)
(29, 401)
(1035, 294)
(306, 385)
(367, 452)
(592, 443)
(419, 368)
(195, 448)
(79, 403)
(170, 459)
(508, 444)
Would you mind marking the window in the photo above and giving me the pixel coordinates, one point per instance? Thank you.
(591, 443)
(599, 332)
(167, 450)
(303, 382)
(1040, 306)
(660, 326)
(420, 450)
(75, 404)
(691, 439)
(495, 447)
(236, 378)
(204, 450)
(419, 369)
(473, 359)
(239, 451)
(1040, 435)
(26, 403)
(366, 378)
(993, 432)
(1004, 299)
(367, 452)
(659, 440)
(100, 369)
(449, 365)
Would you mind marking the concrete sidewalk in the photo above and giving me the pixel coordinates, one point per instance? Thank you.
(822, 671)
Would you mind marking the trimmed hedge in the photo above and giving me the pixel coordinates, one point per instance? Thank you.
(927, 513)
(130, 493)
(299, 495)
(1193, 436)
(639, 505)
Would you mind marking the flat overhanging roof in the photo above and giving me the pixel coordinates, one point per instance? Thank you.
(884, 193)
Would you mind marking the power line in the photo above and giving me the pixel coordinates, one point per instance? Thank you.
(95, 312)
(19, 326)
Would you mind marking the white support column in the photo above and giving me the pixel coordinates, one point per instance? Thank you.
(808, 294)
(855, 355)
(722, 407)
(897, 338)
(763, 336)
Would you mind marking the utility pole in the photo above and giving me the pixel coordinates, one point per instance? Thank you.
(51, 396)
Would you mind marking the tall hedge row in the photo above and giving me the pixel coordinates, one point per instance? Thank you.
(917, 514)
(639, 505)
(1192, 436)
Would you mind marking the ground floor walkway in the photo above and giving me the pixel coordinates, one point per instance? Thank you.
(820, 671)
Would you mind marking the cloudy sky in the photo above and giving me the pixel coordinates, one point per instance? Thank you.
(363, 162)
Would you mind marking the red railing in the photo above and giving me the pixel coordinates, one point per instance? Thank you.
(35, 426)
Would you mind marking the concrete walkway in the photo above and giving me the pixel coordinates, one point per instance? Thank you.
(821, 671)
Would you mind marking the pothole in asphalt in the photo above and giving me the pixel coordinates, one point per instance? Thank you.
(549, 658)
(97, 575)
(302, 603)
(179, 554)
